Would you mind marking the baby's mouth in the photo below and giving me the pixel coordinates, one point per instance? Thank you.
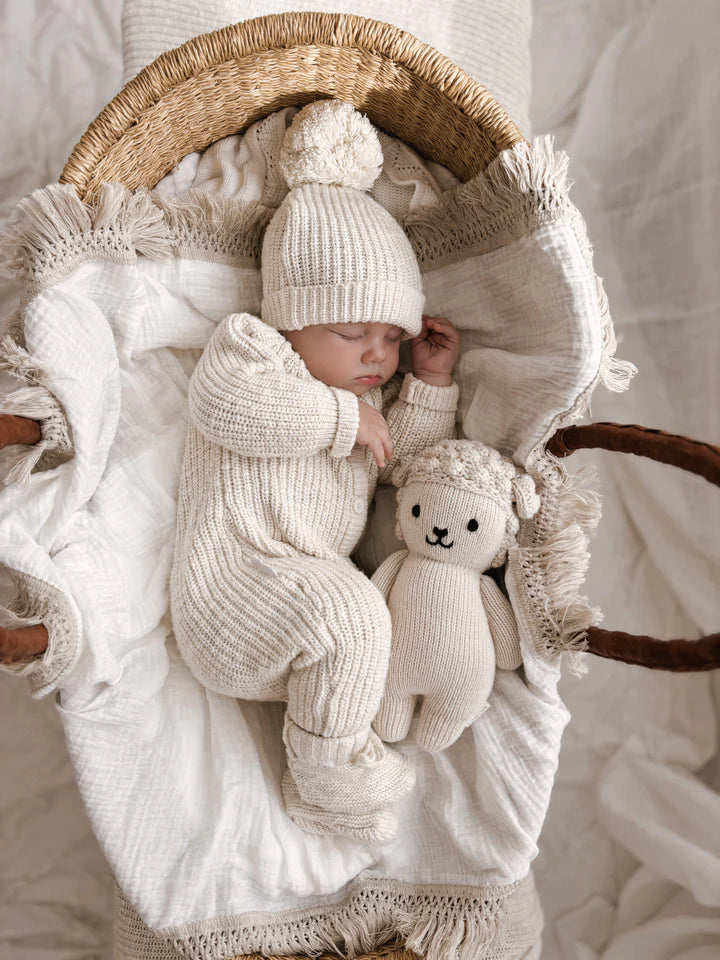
(438, 542)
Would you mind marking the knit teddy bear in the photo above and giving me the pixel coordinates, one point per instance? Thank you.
(451, 623)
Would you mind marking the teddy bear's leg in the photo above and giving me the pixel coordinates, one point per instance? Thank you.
(394, 717)
(443, 718)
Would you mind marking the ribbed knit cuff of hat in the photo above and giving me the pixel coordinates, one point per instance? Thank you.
(416, 391)
(348, 422)
(364, 301)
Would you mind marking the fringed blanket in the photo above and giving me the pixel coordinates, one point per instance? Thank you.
(181, 784)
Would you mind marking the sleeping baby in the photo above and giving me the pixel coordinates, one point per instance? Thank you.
(293, 419)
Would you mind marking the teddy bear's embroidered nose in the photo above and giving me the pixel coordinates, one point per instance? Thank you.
(440, 534)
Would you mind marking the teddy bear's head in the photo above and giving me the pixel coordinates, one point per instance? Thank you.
(459, 502)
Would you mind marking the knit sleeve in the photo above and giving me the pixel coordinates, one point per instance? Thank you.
(248, 393)
(421, 416)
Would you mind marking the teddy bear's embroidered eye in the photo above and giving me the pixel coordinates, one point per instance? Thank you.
(473, 525)
(416, 510)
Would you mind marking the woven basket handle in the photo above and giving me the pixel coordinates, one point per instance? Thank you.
(691, 455)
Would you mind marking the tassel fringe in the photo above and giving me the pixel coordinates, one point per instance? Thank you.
(38, 602)
(552, 557)
(467, 935)
(21, 464)
(18, 362)
(439, 924)
(36, 402)
(220, 230)
(614, 374)
(523, 188)
(53, 230)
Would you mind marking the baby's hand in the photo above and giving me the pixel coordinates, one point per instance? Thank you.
(373, 432)
(435, 352)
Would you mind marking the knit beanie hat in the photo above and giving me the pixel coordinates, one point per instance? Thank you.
(331, 253)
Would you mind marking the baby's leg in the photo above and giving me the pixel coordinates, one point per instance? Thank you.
(314, 632)
(311, 631)
(229, 618)
(335, 689)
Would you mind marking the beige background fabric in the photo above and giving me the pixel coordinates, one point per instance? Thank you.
(489, 39)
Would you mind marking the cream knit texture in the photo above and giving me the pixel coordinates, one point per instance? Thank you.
(426, 916)
(331, 253)
(451, 624)
(265, 602)
(479, 468)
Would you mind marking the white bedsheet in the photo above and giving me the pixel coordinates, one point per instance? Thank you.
(630, 853)
(630, 90)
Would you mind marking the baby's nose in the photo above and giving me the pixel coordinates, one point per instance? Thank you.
(376, 350)
(440, 533)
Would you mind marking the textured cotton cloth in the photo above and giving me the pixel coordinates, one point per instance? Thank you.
(274, 496)
(174, 775)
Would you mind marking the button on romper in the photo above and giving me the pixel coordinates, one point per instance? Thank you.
(266, 603)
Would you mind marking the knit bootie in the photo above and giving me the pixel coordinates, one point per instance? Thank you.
(351, 775)
(375, 826)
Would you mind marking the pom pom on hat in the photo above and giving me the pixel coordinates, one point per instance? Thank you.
(330, 142)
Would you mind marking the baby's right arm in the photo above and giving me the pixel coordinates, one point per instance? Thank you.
(243, 396)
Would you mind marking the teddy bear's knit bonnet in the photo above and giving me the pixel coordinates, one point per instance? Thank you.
(331, 253)
(479, 468)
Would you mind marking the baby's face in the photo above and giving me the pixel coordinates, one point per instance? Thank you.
(347, 354)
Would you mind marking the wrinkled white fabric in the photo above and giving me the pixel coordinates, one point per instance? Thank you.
(150, 746)
(629, 861)
(61, 64)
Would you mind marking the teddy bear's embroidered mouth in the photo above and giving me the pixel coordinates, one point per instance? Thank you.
(438, 542)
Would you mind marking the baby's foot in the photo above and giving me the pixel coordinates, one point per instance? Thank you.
(374, 778)
(376, 826)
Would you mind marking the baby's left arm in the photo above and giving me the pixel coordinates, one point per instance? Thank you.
(424, 412)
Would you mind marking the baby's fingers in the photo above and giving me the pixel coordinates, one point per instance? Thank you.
(378, 451)
(387, 445)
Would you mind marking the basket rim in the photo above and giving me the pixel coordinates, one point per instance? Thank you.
(282, 31)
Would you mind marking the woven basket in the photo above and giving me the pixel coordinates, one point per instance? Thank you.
(219, 83)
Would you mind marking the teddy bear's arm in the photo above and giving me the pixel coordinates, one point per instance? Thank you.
(502, 623)
(384, 576)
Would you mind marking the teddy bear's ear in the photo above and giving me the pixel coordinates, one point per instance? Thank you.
(527, 501)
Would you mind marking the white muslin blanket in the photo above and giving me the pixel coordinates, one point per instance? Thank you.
(182, 784)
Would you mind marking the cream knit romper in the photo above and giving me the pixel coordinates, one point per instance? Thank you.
(265, 601)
